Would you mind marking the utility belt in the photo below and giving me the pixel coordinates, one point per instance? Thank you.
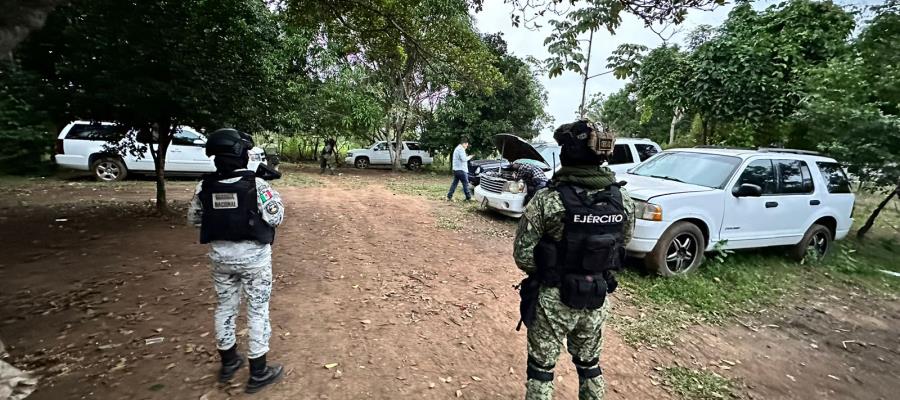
(582, 289)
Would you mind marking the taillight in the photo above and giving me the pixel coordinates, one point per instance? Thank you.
(59, 147)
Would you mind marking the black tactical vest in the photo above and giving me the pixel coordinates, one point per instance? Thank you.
(592, 244)
(230, 210)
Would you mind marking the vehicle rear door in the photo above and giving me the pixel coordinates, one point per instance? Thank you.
(797, 195)
(754, 221)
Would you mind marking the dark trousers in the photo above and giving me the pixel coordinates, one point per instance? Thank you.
(459, 176)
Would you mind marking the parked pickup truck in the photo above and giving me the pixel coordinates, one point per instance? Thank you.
(412, 155)
(82, 145)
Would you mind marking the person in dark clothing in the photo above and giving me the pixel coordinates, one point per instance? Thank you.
(534, 177)
(328, 158)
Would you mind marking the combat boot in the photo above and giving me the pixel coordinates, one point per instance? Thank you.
(232, 361)
(262, 375)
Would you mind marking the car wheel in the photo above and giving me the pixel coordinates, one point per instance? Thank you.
(814, 246)
(414, 164)
(361, 163)
(109, 169)
(679, 251)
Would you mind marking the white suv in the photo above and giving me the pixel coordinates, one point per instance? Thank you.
(412, 155)
(82, 145)
(689, 201)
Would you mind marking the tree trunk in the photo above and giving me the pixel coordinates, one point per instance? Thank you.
(861, 233)
(164, 137)
(676, 118)
(704, 130)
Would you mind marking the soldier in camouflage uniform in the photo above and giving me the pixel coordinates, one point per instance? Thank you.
(237, 214)
(549, 239)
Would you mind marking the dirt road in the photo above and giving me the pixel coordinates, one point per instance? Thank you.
(366, 283)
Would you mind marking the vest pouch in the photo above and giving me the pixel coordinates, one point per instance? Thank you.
(545, 258)
(583, 292)
(598, 253)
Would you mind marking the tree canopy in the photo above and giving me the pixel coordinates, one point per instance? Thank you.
(516, 107)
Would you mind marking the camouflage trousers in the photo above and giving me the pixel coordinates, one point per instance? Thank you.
(582, 330)
(255, 282)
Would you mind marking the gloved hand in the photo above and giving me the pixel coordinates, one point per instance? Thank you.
(611, 282)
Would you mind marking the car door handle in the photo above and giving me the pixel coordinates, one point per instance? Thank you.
(771, 204)
(814, 202)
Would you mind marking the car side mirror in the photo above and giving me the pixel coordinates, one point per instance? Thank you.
(199, 142)
(747, 190)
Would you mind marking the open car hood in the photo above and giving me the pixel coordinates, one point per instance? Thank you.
(512, 148)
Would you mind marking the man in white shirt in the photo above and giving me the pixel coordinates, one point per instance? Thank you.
(460, 164)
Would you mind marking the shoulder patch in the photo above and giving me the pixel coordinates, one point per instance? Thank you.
(265, 196)
(273, 208)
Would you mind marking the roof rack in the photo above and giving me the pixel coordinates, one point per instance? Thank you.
(706, 146)
(791, 151)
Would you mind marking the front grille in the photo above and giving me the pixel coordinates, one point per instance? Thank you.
(491, 184)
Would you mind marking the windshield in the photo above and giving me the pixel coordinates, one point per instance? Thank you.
(710, 170)
(550, 154)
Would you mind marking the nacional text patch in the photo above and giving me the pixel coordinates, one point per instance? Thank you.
(224, 201)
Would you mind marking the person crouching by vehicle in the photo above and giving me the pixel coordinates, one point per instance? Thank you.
(237, 214)
(570, 241)
(534, 177)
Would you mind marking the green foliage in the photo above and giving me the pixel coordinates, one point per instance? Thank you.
(24, 129)
(196, 62)
(517, 107)
(852, 102)
(620, 113)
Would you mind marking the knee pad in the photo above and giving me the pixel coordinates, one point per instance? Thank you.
(587, 369)
(532, 372)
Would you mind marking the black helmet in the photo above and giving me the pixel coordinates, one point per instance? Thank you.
(228, 142)
(583, 143)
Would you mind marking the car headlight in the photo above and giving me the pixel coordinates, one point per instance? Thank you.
(477, 170)
(255, 157)
(349, 154)
(514, 186)
(647, 211)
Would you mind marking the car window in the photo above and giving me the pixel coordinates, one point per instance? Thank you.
(793, 177)
(621, 155)
(550, 155)
(186, 137)
(413, 146)
(646, 151)
(95, 132)
(710, 170)
(835, 179)
(760, 173)
(381, 146)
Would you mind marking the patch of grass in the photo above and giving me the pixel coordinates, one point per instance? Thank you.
(430, 186)
(697, 384)
(298, 179)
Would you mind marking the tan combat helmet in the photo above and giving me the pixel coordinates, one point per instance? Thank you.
(600, 141)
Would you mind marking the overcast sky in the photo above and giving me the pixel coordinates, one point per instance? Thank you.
(564, 92)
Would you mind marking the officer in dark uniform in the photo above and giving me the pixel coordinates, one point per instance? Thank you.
(569, 241)
(237, 214)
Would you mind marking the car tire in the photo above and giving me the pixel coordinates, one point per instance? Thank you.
(414, 164)
(109, 169)
(678, 251)
(816, 242)
(361, 162)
